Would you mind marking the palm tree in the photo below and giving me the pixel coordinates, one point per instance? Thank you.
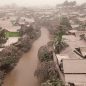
(59, 43)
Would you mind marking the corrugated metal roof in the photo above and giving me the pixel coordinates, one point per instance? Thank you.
(78, 79)
(61, 57)
(74, 66)
(83, 50)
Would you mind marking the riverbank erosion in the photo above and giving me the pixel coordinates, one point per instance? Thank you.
(23, 73)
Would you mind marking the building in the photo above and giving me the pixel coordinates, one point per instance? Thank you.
(72, 32)
(60, 57)
(81, 51)
(75, 72)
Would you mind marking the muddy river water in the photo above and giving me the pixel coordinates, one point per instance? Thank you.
(23, 73)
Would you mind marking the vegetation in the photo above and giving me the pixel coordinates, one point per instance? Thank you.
(9, 57)
(11, 54)
(71, 3)
(30, 31)
(62, 24)
(83, 37)
(59, 43)
(23, 44)
(44, 54)
(65, 23)
(46, 70)
(83, 27)
(61, 29)
(54, 82)
(2, 36)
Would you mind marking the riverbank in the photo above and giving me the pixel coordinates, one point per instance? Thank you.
(10, 55)
(23, 73)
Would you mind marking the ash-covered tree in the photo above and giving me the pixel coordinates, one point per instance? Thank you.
(44, 54)
(65, 23)
(2, 36)
(46, 70)
(27, 30)
(54, 82)
(9, 57)
(58, 41)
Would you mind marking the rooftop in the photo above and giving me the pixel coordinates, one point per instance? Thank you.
(78, 79)
(61, 57)
(72, 66)
(83, 51)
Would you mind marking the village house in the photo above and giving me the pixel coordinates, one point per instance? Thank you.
(76, 32)
(81, 51)
(60, 57)
(74, 72)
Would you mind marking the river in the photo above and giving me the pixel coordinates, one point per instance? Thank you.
(23, 73)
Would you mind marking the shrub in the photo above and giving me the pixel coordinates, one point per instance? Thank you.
(59, 43)
(44, 54)
(46, 70)
(23, 44)
(9, 57)
(53, 82)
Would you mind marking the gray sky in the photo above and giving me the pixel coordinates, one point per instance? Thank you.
(35, 2)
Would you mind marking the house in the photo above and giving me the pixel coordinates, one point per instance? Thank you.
(72, 32)
(81, 51)
(78, 33)
(60, 57)
(74, 72)
(24, 20)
